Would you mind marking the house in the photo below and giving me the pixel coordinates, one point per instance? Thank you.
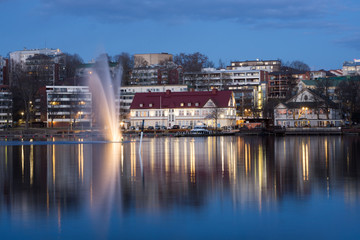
(307, 109)
(212, 108)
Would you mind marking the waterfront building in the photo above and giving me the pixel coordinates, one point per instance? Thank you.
(307, 109)
(211, 108)
(127, 93)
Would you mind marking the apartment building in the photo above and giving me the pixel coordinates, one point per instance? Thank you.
(4, 67)
(68, 106)
(351, 67)
(148, 59)
(264, 65)
(6, 105)
(249, 87)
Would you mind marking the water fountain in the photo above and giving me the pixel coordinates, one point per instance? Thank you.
(104, 90)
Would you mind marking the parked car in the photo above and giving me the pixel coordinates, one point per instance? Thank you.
(175, 127)
(132, 128)
(150, 128)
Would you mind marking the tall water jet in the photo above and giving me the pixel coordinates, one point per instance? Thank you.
(104, 89)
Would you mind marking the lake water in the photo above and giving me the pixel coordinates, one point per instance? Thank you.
(239, 187)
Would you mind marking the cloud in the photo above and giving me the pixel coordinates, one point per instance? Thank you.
(352, 42)
(252, 12)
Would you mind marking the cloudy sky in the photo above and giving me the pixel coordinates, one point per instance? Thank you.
(322, 33)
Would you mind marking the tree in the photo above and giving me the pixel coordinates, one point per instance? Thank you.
(72, 62)
(126, 62)
(322, 88)
(26, 83)
(349, 94)
(298, 65)
(193, 62)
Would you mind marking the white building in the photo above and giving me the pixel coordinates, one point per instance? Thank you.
(6, 104)
(127, 94)
(183, 109)
(351, 67)
(249, 87)
(68, 105)
(23, 55)
(307, 109)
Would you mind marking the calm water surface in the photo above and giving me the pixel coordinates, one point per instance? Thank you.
(183, 188)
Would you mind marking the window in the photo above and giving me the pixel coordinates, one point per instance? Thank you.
(197, 104)
(189, 104)
(181, 104)
(150, 105)
(306, 98)
(141, 105)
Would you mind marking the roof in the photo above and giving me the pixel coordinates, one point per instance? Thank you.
(333, 81)
(184, 100)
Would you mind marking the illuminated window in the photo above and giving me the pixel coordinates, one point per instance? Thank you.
(181, 104)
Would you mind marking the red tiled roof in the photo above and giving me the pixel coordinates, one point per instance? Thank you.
(151, 100)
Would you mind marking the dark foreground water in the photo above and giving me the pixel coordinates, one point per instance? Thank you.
(183, 188)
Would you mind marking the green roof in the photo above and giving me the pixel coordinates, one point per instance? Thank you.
(334, 81)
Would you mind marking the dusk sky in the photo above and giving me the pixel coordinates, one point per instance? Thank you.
(322, 33)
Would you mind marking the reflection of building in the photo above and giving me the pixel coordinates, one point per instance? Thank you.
(183, 108)
(67, 105)
(307, 109)
(6, 104)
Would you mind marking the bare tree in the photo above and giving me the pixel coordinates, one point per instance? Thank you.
(193, 62)
(298, 65)
(26, 84)
(349, 94)
(126, 61)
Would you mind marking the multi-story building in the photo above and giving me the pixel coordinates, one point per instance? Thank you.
(183, 108)
(148, 59)
(83, 71)
(249, 87)
(6, 104)
(167, 73)
(264, 65)
(4, 67)
(47, 64)
(66, 106)
(127, 93)
(351, 67)
(281, 84)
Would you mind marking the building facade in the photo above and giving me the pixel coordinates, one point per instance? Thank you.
(6, 106)
(351, 67)
(307, 109)
(68, 106)
(264, 65)
(211, 108)
(148, 59)
(126, 95)
(4, 73)
(45, 64)
(249, 87)
(168, 73)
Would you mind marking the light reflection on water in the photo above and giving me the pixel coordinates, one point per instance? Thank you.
(100, 190)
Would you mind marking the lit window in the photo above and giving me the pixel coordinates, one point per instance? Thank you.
(141, 105)
(150, 105)
(189, 104)
(181, 104)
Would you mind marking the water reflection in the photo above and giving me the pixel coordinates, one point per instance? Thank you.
(101, 180)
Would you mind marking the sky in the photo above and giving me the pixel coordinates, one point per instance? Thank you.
(321, 33)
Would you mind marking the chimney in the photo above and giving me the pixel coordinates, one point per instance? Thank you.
(168, 92)
(214, 91)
